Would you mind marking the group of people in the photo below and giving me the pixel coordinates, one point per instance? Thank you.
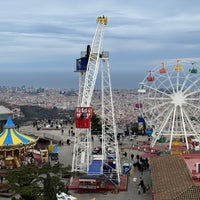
(141, 164)
(142, 187)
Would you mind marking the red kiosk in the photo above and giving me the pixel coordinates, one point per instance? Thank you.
(83, 117)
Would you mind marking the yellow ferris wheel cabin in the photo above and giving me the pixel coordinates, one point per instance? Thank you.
(178, 66)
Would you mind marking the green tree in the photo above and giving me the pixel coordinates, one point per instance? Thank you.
(134, 128)
(24, 182)
(52, 185)
(96, 124)
(33, 183)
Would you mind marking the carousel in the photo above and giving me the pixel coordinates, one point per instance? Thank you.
(14, 146)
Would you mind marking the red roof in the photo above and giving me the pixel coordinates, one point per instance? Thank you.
(171, 179)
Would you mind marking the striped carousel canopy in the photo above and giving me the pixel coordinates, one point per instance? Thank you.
(12, 137)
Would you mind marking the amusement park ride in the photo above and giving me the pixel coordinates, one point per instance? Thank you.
(169, 103)
(107, 163)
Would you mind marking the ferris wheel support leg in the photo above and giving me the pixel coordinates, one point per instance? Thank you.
(186, 140)
(154, 140)
(172, 130)
(170, 144)
(183, 123)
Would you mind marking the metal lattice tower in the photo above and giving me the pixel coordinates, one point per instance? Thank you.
(82, 144)
(110, 149)
(82, 154)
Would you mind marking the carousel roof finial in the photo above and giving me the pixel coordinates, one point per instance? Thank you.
(9, 123)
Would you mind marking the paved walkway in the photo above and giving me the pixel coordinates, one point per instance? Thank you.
(65, 157)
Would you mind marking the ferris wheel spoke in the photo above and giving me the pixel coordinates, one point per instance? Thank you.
(192, 93)
(165, 113)
(172, 128)
(177, 81)
(157, 90)
(168, 111)
(159, 98)
(162, 83)
(192, 85)
(193, 106)
(192, 110)
(170, 81)
(192, 99)
(157, 105)
(185, 81)
(189, 122)
(183, 124)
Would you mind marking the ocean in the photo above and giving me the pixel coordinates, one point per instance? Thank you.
(120, 80)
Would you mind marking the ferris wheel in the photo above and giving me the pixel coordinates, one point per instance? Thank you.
(169, 102)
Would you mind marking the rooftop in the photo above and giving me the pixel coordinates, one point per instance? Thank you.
(171, 179)
(4, 113)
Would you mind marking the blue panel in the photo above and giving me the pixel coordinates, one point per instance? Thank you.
(24, 140)
(8, 139)
(148, 131)
(95, 167)
(55, 149)
(81, 64)
(126, 167)
(140, 119)
(9, 123)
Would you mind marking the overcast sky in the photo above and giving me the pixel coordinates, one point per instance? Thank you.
(48, 35)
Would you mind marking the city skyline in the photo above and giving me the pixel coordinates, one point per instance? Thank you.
(40, 41)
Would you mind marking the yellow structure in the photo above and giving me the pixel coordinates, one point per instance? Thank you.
(102, 20)
(13, 146)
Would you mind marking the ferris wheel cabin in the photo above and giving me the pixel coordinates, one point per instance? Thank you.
(138, 105)
(163, 70)
(83, 116)
(178, 67)
(150, 78)
(193, 70)
(141, 91)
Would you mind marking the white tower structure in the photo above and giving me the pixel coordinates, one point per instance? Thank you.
(82, 153)
(110, 149)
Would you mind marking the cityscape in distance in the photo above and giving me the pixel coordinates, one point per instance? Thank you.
(124, 100)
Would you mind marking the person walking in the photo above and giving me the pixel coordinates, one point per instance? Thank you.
(132, 156)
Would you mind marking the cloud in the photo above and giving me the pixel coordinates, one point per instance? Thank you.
(52, 33)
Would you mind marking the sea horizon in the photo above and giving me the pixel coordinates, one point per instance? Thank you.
(61, 80)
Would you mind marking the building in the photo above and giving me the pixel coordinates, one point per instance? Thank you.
(173, 177)
(4, 113)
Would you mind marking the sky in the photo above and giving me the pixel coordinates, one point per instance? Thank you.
(41, 40)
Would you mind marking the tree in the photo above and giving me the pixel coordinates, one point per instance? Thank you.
(24, 182)
(52, 185)
(96, 124)
(134, 128)
(33, 183)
